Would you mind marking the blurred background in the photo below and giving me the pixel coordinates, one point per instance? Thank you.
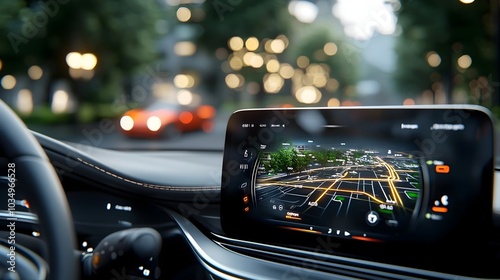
(168, 73)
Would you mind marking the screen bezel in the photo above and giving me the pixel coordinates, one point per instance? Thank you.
(236, 224)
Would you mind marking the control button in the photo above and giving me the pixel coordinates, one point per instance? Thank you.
(435, 217)
(392, 223)
(440, 204)
(439, 209)
(372, 218)
(444, 169)
(248, 154)
(444, 200)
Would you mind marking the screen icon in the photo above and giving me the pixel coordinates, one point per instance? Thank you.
(243, 166)
(443, 169)
(372, 218)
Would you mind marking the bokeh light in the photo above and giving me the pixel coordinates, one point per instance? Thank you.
(86, 61)
(184, 81)
(286, 71)
(9, 82)
(153, 123)
(35, 72)
(60, 102)
(409, 102)
(184, 97)
(277, 46)
(330, 49)
(89, 61)
(252, 44)
(464, 61)
(252, 59)
(186, 117)
(333, 102)
(206, 112)
(332, 85)
(127, 123)
(433, 59)
(183, 14)
(236, 43)
(235, 62)
(308, 95)
(362, 18)
(273, 66)
(74, 60)
(25, 101)
(303, 61)
(184, 48)
(234, 81)
(273, 83)
(303, 11)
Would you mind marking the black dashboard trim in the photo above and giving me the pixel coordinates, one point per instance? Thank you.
(331, 262)
(233, 264)
(252, 260)
(148, 185)
(87, 162)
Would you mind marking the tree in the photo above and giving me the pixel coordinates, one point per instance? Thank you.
(260, 19)
(122, 35)
(281, 160)
(287, 160)
(340, 68)
(225, 19)
(271, 22)
(299, 160)
(435, 34)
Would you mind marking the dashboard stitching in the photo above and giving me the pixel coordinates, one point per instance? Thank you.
(150, 186)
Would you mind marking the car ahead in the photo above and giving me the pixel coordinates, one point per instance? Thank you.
(163, 119)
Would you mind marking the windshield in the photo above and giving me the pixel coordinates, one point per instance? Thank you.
(86, 71)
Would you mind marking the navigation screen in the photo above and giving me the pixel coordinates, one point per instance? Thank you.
(333, 187)
(367, 174)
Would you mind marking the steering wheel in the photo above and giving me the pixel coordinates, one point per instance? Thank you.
(44, 192)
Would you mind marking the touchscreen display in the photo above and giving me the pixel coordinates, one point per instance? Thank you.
(369, 174)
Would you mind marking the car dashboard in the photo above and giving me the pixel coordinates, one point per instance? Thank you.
(178, 194)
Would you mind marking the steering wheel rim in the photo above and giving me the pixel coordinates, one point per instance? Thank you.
(44, 192)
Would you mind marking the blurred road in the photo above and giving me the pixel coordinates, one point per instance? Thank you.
(106, 134)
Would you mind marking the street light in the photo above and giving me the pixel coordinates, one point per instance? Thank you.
(81, 65)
